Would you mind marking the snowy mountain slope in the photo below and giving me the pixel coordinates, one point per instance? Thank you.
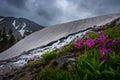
(53, 33)
(20, 26)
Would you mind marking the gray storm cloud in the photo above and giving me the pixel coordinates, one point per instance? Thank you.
(50, 12)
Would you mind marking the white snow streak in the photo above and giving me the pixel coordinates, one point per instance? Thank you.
(14, 22)
(22, 30)
(17, 26)
(1, 19)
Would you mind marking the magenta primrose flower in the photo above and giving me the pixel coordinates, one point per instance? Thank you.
(109, 43)
(104, 59)
(90, 43)
(104, 37)
(102, 50)
(109, 50)
(116, 40)
(100, 32)
(75, 45)
(79, 46)
(98, 40)
(83, 40)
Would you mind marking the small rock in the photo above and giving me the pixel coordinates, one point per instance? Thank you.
(69, 67)
(72, 59)
(63, 62)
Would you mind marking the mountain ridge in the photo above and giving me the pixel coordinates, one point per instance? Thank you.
(20, 26)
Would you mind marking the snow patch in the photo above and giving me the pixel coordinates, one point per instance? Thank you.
(22, 30)
(17, 27)
(20, 63)
(1, 19)
(1, 66)
(29, 31)
(14, 22)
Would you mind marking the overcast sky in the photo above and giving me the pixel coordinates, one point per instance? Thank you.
(50, 12)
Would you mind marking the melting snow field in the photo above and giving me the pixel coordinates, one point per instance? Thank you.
(37, 54)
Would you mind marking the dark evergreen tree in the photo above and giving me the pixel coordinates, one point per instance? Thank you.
(0, 38)
(4, 41)
(12, 40)
(5, 38)
(10, 32)
(18, 39)
(0, 33)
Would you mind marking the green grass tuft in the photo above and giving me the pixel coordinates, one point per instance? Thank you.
(68, 48)
(113, 32)
(48, 56)
(94, 35)
(52, 74)
(34, 64)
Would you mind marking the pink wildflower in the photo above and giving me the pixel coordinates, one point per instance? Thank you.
(90, 43)
(101, 32)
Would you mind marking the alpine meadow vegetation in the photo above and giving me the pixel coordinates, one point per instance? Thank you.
(98, 59)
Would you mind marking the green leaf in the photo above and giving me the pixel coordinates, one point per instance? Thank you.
(108, 72)
(98, 72)
(91, 66)
(85, 77)
(111, 69)
(100, 65)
